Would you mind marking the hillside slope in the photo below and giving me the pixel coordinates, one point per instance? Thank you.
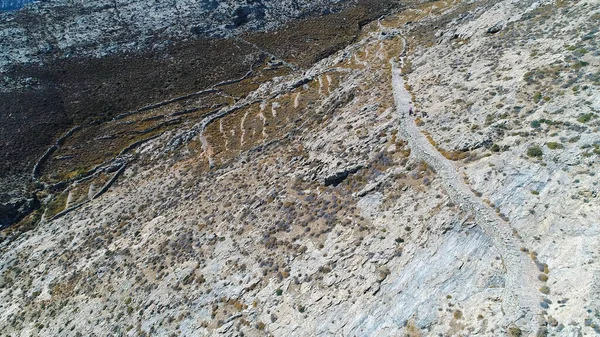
(435, 176)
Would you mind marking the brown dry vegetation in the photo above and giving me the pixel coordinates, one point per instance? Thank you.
(75, 91)
(451, 155)
(306, 41)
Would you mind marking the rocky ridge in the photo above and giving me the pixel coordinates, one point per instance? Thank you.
(106, 27)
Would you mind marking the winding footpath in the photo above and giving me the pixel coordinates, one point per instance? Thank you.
(521, 297)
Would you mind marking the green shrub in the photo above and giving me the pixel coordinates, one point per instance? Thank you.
(554, 145)
(535, 124)
(571, 48)
(535, 152)
(586, 118)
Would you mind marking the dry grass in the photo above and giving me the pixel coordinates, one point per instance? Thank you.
(451, 155)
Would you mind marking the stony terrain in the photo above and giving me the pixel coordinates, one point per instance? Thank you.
(435, 176)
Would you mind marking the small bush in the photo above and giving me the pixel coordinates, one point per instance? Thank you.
(514, 332)
(279, 292)
(535, 152)
(545, 290)
(579, 64)
(534, 192)
(586, 118)
(571, 48)
(554, 145)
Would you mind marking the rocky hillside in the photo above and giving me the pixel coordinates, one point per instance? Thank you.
(56, 75)
(428, 170)
(66, 28)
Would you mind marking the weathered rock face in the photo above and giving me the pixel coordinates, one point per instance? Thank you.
(302, 198)
(14, 209)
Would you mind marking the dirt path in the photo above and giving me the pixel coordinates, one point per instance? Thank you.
(521, 297)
